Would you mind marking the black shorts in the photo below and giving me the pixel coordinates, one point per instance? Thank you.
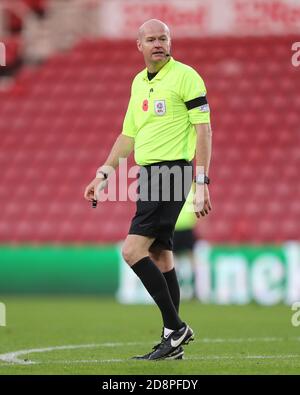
(162, 188)
(184, 240)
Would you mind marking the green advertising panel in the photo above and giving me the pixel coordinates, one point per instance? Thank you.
(242, 274)
(224, 274)
(59, 269)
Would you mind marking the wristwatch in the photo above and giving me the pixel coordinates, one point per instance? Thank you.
(202, 179)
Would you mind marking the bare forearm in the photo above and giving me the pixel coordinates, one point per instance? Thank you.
(203, 146)
(122, 148)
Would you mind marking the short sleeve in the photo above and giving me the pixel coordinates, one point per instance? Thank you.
(129, 128)
(193, 87)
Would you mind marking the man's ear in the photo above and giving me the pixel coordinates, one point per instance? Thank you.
(139, 45)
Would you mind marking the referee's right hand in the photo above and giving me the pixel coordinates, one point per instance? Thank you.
(92, 190)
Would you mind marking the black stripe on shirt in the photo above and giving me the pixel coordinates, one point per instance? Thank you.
(199, 101)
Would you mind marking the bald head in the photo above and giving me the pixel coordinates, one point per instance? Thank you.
(154, 42)
(152, 26)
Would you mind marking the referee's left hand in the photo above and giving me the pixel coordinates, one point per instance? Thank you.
(201, 201)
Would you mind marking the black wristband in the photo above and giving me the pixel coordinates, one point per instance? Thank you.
(206, 180)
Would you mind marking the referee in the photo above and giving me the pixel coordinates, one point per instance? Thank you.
(166, 124)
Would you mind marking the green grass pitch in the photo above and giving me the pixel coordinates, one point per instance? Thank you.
(90, 335)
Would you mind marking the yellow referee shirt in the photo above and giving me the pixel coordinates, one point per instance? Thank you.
(162, 113)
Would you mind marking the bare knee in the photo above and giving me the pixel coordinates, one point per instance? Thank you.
(135, 248)
(128, 254)
(133, 253)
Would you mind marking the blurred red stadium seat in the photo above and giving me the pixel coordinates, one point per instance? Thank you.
(57, 129)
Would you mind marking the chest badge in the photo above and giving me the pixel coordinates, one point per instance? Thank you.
(145, 105)
(160, 107)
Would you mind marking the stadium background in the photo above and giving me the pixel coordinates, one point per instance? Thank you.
(63, 96)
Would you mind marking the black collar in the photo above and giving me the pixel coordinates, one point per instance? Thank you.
(151, 75)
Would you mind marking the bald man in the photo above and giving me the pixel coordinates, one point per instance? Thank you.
(167, 122)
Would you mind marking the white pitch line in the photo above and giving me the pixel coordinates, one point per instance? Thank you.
(69, 362)
(14, 357)
(241, 340)
(204, 358)
(212, 357)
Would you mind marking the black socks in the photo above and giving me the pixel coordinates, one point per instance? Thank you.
(173, 285)
(155, 283)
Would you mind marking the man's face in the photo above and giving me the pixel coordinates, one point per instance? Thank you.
(154, 43)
